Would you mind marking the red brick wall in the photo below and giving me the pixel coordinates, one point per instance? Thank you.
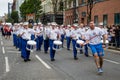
(108, 7)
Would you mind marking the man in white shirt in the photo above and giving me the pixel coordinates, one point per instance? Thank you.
(26, 35)
(62, 33)
(46, 31)
(93, 37)
(75, 37)
(67, 34)
(53, 35)
(81, 32)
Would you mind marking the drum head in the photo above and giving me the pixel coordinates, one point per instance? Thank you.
(105, 41)
(31, 42)
(57, 42)
(80, 41)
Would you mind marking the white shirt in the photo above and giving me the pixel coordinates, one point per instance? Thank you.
(68, 32)
(81, 32)
(46, 32)
(94, 36)
(61, 31)
(74, 34)
(53, 34)
(27, 33)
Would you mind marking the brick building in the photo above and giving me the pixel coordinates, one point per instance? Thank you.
(106, 11)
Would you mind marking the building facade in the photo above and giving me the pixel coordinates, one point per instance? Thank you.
(106, 11)
(49, 12)
(16, 7)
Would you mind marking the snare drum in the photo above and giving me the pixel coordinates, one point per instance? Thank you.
(57, 45)
(31, 45)
(78, 44)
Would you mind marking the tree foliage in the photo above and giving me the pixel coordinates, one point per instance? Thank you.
(14, 16)
(31, 6)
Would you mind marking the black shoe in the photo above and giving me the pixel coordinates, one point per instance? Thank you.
(81, 52)
(28, 59)
(86, 55)
(75, 58)
(52, 59)
(22, 56)
(68, 49)
(46, 52)
(25, 60)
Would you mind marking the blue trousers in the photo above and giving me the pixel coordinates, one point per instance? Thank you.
(32, 37)
(17, 41)
(20, 43)
(24, 52)
(52, 52)
(74, 48)
(86, 49)
(39, 41)
(62, 39)
(68, 42)
(46, 45)
(14, 40)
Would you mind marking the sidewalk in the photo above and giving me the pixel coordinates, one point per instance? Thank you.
(114, 48)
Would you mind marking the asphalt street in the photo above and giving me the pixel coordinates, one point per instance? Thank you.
(12, 66)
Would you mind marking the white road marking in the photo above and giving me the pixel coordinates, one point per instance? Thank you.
(13, 51)
(1, 43)
(3, 49)
(45, 64)
(112, 61)
(7, 64)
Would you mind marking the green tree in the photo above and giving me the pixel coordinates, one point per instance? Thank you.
(14, 16)
(9, 20)
(23, 11)
(31, 6)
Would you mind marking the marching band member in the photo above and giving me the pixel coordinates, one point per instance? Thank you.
(46, 31)
(53, 35)
(82, 31)
(68, 38)
(15, 35)
(19, 37)
(102, 28)
(33, 36)
(40, 36)
(74, 36)
(26, 35)
(62, 33)
(93, 37)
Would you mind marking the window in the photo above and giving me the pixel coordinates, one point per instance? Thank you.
(105, 19)
(96, 20)
(82, 1)
(117, 18)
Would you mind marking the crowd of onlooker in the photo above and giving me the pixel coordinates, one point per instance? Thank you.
(114, 35)
(6, 30)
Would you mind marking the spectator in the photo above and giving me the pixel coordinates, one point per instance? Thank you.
(117, 36)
